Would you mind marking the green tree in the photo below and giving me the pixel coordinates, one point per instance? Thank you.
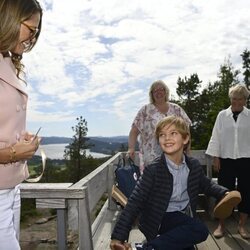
(75, 152)
(188, 88)
(212, 100)
(188, 93)
(246, 66)
(123, 147)
(228, 77)
(203, 106)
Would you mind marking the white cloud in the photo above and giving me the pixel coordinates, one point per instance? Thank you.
(99, 57)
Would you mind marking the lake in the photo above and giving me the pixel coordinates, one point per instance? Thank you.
(56, 151)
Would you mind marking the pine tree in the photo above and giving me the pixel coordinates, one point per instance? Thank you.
(213, 99)
(75, 152)
(188, 92)
(246, 66)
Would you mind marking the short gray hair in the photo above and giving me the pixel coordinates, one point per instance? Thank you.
(238, 90)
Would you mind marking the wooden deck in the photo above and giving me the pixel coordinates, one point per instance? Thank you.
(76, 202)
(231, 240)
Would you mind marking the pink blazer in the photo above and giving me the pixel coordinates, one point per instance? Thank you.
(13, 103)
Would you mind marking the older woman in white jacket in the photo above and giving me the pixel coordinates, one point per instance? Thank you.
(230, 147)
(19, 28)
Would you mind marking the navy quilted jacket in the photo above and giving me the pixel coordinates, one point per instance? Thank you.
(150, 198)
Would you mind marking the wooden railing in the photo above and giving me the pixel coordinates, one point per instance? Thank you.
(75, 202)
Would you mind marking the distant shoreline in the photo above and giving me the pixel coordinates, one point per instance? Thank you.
(56, 151)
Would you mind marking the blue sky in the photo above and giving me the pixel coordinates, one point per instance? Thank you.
(97, 58)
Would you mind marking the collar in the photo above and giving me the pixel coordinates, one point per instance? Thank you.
(245, 111)
(7, 74)
(174, 166)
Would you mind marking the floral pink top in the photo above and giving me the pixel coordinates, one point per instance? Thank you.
(146, 119)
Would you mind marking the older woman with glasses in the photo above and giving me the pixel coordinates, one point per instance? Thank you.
(20, 26)
(148, 116)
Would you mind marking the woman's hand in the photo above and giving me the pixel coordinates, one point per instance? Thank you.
(26, 148)
(134, 132)
(216, 164)
(131, 153)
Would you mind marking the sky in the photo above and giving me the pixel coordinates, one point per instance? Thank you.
(97, 59)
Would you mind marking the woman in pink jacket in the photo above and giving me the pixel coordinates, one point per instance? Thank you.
(20, 26)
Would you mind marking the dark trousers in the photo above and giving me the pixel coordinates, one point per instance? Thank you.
(178, 232)
(237, 169)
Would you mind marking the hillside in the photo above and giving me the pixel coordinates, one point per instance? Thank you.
(55, 140)
(105, 145)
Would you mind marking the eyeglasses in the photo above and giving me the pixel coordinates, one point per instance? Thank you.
(158, 90)
(33, 30)
(29, 42)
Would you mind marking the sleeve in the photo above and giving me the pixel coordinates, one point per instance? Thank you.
(210, 188)
(135, 204)
(177, 110)
(185, 117)
(140, 118)
(213, 148)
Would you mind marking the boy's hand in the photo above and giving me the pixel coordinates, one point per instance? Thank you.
(118, 245)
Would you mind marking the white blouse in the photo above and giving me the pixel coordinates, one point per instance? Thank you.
(230, 139)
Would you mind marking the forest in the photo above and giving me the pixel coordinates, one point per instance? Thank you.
(203, 104)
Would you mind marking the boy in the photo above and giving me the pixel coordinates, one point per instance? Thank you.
(166, 196)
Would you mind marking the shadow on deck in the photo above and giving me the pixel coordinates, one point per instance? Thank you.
(75, 203)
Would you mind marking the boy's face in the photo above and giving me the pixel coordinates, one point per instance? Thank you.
(171, 141)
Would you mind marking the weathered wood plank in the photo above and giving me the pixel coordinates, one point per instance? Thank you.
(51, 203)
(209, 244)
(31, 186)
(51, 191)
(224, 243)
(97, 181)
(232, 229)
(101, 238)
(84, 224)
(136, 236)
(103, 226)
(84, 180)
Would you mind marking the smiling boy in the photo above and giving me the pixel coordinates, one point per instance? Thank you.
(166, 196)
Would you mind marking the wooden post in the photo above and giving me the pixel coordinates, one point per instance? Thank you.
(84, 223)
(61, 229)
(209, 160)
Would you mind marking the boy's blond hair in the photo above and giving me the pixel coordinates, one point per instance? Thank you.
(181, 126)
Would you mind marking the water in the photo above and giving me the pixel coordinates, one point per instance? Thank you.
(56, 151)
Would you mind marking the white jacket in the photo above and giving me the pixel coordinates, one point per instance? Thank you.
(13, 103)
